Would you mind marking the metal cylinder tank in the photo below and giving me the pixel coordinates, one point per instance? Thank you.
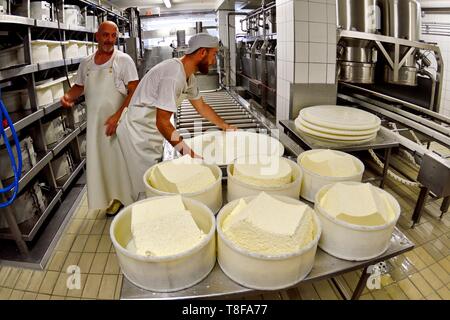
(181, 38)
(198, 27)
(402, 19)
(357, 58)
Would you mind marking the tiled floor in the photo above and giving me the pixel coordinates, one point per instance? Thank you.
(423, 273)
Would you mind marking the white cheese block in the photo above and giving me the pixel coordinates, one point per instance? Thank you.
(163, 227)
(263, 171)
(140, 212)
(181, 176)
(360, 204)
(330, 164)
(269, 226)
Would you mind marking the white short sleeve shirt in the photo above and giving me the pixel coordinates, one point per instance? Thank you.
(163, 85)
(124, 70)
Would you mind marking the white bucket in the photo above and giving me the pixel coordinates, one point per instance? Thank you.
(72, 49)
(262, 272)
(40, 52)
(55, 50)
(57, 87)
(44, 94)
(211, 196)
(82, 49)
(170, 273)
(238, 189)
(354, 242)
(312, 182)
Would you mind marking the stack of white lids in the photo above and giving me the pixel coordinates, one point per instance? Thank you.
(338, 124)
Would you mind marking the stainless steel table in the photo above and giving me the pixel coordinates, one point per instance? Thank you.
(217, 284)
(384, 140)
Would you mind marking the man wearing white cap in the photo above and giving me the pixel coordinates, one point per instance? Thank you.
(146, 122)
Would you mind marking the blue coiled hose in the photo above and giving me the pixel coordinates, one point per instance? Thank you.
(17, 167)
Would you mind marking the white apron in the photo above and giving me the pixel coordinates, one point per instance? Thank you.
(141, 142)
(107, 175)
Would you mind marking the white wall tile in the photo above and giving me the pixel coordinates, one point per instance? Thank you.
(317, 12)
(290, 72)
(290, 26)
(443, 43)
(331, 73)
(301, 11)
(301, 51)
(317, 73)
(301, 31)
(331, 13)
(317, 32)
(331, 33)
(289, 11)
(318, 52)
(331, 53)
(282, 68)
(301, 73)
(290, 51)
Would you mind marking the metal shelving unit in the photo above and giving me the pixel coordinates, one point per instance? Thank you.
(16, 30)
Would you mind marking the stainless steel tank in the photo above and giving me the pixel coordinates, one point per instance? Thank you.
(357, 58)
(402, 19)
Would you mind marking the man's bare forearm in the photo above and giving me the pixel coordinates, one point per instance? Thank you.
(169, 133)
(209, 114)
(131, 88)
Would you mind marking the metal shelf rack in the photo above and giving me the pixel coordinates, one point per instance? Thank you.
(16, 30)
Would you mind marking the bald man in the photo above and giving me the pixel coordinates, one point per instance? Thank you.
(108, 79)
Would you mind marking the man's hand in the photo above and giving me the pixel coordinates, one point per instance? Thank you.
(111, 124)
(229, 127)
(195, 156)
(66, 102)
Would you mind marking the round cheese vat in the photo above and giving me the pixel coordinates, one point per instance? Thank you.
(264, 272)
(238, 189)
(168, 273)
(211, 196)
(354, 242)
(312, 182)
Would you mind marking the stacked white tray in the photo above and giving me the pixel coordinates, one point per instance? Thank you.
(345, 125)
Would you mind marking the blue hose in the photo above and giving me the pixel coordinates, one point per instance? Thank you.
(17, 167)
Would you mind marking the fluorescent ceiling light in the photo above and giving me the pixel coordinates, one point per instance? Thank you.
(167, 3)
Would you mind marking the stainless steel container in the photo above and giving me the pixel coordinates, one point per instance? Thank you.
(28, 159)
(27, 205)
(54, 131)
(181, 38)
(40, 10)
(402, 19)
(357, 58)
(62, 168)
